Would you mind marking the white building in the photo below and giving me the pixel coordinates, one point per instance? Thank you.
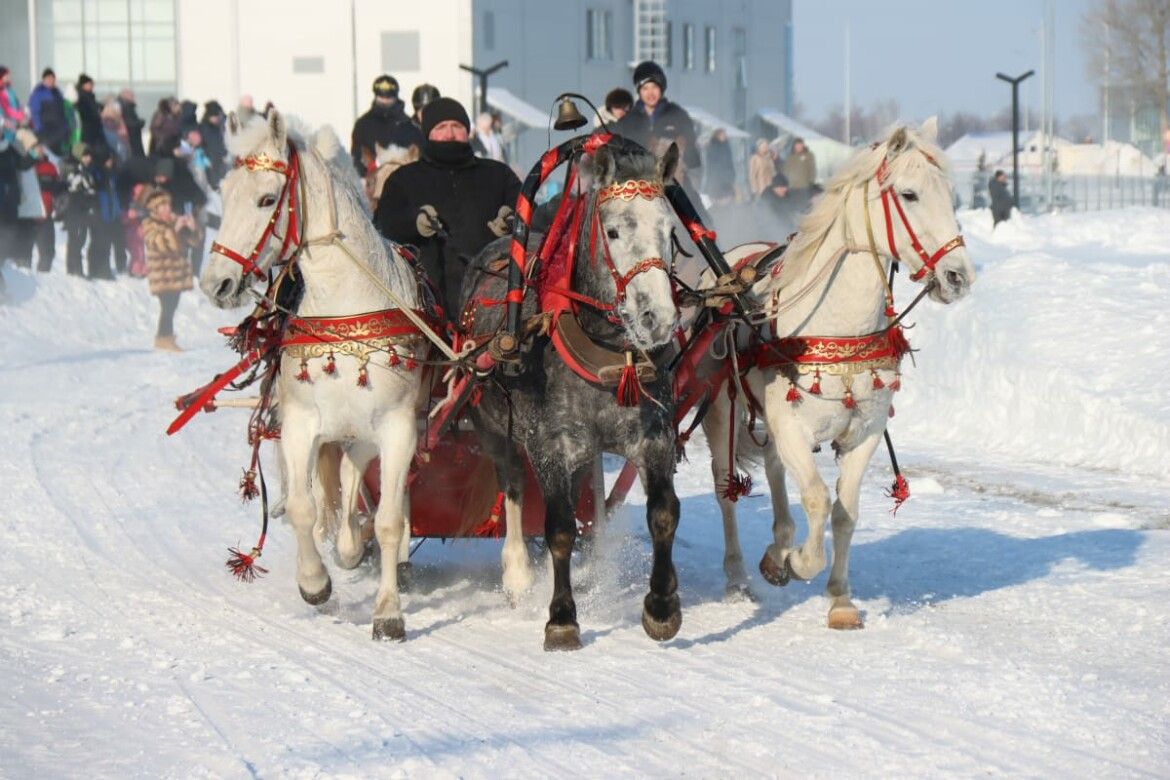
(317, 58)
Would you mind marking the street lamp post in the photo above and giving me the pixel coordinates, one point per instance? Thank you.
(481, 105)
(1015, 82)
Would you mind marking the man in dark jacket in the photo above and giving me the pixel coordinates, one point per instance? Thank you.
(89, 113)
(385, 124)
(720, 167)
(1001, 198)
(450, 203)
(134, 123)
(214, 146)
(46, 104)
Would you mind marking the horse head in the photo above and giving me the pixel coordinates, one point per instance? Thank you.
(630, 241)
(259, 200)
(913, 199)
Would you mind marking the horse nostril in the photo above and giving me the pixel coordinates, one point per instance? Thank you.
(224, 288)
(649, 320)
(954, 279)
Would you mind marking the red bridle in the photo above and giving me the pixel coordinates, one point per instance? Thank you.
(626, 190)
(291, 171)
(929, 261)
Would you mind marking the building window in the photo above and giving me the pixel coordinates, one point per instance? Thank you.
(668, 46)
(598, 34)
(489, 30)
(689, 46)
(400, 51)
(308, 64)
(709, 61)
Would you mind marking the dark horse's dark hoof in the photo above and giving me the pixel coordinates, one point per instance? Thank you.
(774, 573)
(405, 576)
(319, 598)
(562, 637)
(661, 618)
(389, 629)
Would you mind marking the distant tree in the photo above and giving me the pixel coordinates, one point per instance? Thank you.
(1128, 44)
(1079, 128)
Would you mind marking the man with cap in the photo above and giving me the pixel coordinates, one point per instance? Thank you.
(46, 105)
(449, 203)
(423, 95)
(379, 126)
(656, 122)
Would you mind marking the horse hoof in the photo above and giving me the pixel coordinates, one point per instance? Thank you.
(316, 599)
(739, 592)
(845, 619)
(773, 573)
(562, 637)
(664, 627)
(405, 576)
(389, 629)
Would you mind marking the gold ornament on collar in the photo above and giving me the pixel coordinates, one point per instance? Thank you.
(630, 189)
(262, 162)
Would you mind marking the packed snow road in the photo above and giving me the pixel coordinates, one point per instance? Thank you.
(1013, 606)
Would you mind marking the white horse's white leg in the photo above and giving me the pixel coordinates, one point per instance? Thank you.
(853, 463)
(299, 448)
(781, 561)
(396, 449)
(716, 425)
(350, 545)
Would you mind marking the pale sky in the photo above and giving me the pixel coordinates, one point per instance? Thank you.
(937, 55)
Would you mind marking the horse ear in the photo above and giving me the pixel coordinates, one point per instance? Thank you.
(233, 123)
(668, 164)
(277, 128)
(929, 130)
(604, 166)
(897, 141)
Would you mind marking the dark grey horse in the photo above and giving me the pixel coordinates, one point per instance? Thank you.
(564, 422)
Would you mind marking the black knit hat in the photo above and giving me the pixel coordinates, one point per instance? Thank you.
(442, 110)
(386, 86)
(619, 98)
(649, 71)
(82, 80)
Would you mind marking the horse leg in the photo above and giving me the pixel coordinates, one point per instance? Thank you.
(351, 548)
(405, 567)
(299, 448)
(853, 463)
(517, 568)
(661, 613)
(396, 448)
(716, 425)
(327, 492)
(781, 562)
(557, 479)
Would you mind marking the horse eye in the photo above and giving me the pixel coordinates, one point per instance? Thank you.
(911, 196)
(266, 201)
(611, 233)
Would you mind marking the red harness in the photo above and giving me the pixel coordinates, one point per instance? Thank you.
(888, 196)
(291, 171)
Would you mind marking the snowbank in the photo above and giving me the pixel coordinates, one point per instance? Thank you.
(1060, 354)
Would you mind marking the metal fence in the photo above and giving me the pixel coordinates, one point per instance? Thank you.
(1076, 192)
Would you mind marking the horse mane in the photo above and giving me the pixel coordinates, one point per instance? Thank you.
(816, 224)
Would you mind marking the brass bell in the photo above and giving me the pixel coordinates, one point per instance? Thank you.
(568, 117)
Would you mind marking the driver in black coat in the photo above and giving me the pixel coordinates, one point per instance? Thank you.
(449, 203)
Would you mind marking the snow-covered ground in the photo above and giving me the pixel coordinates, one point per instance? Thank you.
(1013, 618)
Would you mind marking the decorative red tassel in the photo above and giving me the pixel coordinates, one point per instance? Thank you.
(896, 385)
(737, 486)
(899, 491)
(394, 359)
(330, 365)
(411, 364)
(248, 489)
(303, 374)
(848, 400)
(243, 565)
(815, 389)
(878, 384)
(629, 389)
(363, 379)
(890, 310)
(793, 396)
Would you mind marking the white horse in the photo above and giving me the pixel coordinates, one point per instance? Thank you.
(359, 393)
(892, 200)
